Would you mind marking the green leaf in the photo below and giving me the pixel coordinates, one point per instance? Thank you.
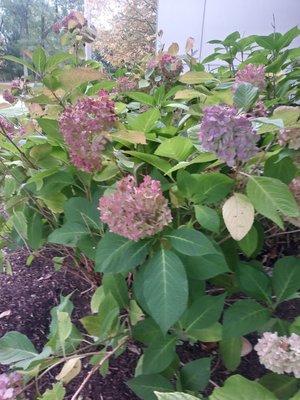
(56, 393)
(16, 348)
(19, 61)
(195, 374)
(243, 317)
(239, 388)
(141, 97)
(166, 288)
(230, 350)
(250, 242)
(39, 59)
(189, 94)
(159, 355)
(56, 59)
(64, 327)
(194, 77)
(208, 218)
(254, 282)
(144, 386)
(177, 148)
(212, 333)
(80, 210)
(146, 331)
(204, 312)
(286, 278)
(270, 197)
(211, 188)
(116, 285)
(144, 122)
(151, 159)
(35, 231)
(102, 324)
(206, 266)
(175, 396)
(20, 223)
(69, 234)
(245, 95)
(51, 128)
(190, 242)
(282, 169)
(117, 254)
(283, 386)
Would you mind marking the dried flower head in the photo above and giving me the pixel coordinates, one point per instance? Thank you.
(84, 127)
(74, 20)
(10, 385)
(290, 137)
(167, 66)
(280, 354)
(124, 84)
(254, 74)
(228, 134)
(135, 211)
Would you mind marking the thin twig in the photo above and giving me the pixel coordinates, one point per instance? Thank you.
(283, 233)
(95, 368)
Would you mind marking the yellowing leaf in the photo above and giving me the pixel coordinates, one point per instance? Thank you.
(238, 214)
(70, 369)
(189, 94)
(76, 76)
(194, 77)
(135, 137)
(173, 49)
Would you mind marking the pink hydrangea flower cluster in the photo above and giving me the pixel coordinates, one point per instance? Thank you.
(280, 354)
(228, 134)
(84, 127)
(6, 127)
(10, 385)
(258, 110)
(124, 84)
(74, 20)
(254, 74)
(16, 88)
(167, 66)
(135, 211)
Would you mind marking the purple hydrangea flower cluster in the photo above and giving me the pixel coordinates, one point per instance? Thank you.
(8, 96)
(84, 127)
(228, 134)
(6, 127)
(254, 74)
(136, 211)
(10, 385)
(167, 66)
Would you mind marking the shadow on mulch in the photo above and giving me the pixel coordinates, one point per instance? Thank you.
(31, 293)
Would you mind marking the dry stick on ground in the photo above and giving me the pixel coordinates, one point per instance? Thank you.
(96, 367)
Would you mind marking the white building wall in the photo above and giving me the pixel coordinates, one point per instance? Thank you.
(180, 19)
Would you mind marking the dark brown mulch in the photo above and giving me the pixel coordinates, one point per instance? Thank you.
(31, 293)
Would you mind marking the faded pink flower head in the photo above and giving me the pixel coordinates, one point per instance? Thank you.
(167, 66)
(74, 20)
(228, 134)
(280, 354)
(124, 84)
(251, 73)
(84, 127)
(135, 211)
(10, 385)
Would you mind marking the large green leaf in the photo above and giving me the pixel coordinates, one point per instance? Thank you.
(280, 168)
(208, 218)
(206, 266)
(239, 388)
(146, 331)
(39, 59)
(151, 159)
(80, 210)
(159, 355)
(283, 386)
(35, 231)
(245, 95)
(271, 197)
(165, 288)
(254, 282)
(144, 386)
(230, 351)
(16, 348)
(177, 148)
(243, 317)
(190, 242)
(141, 97)
(203, 312)
(195, 374)
(144, 122)
(286, 278)
(116, 285)
(19, 61)
(211, 188)
(69, 234)
(117, 254)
